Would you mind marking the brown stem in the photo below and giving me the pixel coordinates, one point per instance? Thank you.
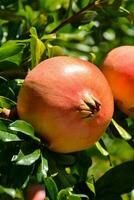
(75, 17)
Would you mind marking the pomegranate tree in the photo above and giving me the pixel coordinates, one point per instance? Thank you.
(68, 101)
(118, 67)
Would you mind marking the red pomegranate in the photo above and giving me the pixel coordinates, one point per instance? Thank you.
(68, 101)
(36, 192)
(118, 68)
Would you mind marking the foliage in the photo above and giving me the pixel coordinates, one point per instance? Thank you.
(31, 31)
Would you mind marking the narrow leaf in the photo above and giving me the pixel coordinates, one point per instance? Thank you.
(43, 169)
(11, 192)
(37, 47)
(90, 183)
(51, 187)
(101, 148)
(28, 159)
(123, 133)
(78, 196)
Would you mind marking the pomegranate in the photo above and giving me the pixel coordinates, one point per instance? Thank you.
(36, 192)
(68, 101)
(118, 67)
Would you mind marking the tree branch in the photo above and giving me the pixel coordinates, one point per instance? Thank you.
(76, 16)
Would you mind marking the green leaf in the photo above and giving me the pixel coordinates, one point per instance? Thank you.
(8, 137)
(92, 57)
(6, 102)
(82, 164)
(65, 179)
(37, 47)
(11, 63)
(3, 126)
(87, 27)
(123, 133)
(51, 188)
(118, 180)
(28, 159)
(48, 36)
(43, 169)
(78, 196)
(10, 49)
(90, 183)
(11, 192)
(23, 127)
(74, 197)
(67, 194)
(101, 147)
(64, 193)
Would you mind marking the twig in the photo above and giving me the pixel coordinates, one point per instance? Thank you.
(75, 17)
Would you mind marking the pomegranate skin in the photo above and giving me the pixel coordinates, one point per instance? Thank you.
(118, 68)
(68, 101)
(36, 192)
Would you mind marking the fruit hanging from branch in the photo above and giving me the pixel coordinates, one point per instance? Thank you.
(36, 192)
(68, 101)
(118, 67)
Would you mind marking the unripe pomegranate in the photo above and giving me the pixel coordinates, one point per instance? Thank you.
(118, 67)
(68, 101)
(36, 192)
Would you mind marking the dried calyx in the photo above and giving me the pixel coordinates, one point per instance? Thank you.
(89, 106)
(8, 113)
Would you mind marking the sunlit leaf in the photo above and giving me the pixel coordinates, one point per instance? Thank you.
(124, 134)
(6, 102)
(90, 183)
(28, 159)
(43, 169)
(37, 47)
(102, 148)
(78, 196)
(23, 127)
(67, 194)
(10, 191)
(8, 137)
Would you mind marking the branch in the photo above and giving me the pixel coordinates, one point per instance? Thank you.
(76, 16)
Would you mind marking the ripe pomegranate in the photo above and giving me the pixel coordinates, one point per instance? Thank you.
(68, 101)
(36, 192)
(118, 67)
